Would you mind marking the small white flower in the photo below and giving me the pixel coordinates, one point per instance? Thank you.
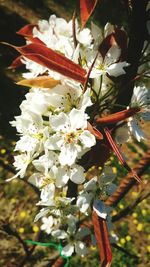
(108, 65)
(47, 225)
(21, 163)
(141, 99)
(71, 138)
(74, 243)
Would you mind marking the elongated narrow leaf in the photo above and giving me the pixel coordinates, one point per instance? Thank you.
(117, 117)
(42, 82)
(86, 9)
(94, 131)
(118, 154)
(16, 63)
(52, 60)
(102, 237)
(27, 31)
(122, 42)
(106, 44)
(35, 40)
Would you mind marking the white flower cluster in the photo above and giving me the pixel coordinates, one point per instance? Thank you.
(140, 99)
(54, 133)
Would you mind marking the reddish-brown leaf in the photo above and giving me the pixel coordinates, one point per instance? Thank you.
(106, 44)
(102, 237)
(86, 9)
(118, 154)
(117, 117)
(94, 131)
(16, 63)
(42, 82)
(52, 60)
(118, 37)
(27, 30)
(122, 42)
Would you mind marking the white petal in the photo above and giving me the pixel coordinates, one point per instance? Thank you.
(62, 177)
(77, 174)
(60, 234)
(117, 69)
(59, 122)
(100, 208)
(68, 154)
(87, 139)
(78, 119)
(68, 250)
(83, 202)
(112, 55)
(85, 100)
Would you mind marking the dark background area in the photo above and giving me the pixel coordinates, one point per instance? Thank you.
(16, 14)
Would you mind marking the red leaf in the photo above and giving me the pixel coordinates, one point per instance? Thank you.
(94, 131)
(52, 60)
(27, 30)
(86, 9)
(16, 63)
(102, 237)
(117, 117)
(121, 40)
(106, 44)
(118, 154)
(118, 37)
(35, 40)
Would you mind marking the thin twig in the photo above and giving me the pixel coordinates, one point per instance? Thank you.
(130, 208)
(128, 182)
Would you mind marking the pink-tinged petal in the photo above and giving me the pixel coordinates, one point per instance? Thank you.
(86, 9)
(102, 237)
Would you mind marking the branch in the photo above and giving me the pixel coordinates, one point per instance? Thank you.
(9, 168)
(137, 36)
(130, 208)
(10, 231)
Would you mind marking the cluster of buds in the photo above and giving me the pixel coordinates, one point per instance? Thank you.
(66, 121)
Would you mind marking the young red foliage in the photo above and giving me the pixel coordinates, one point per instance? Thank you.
(16, 63)
(106, 44)
(118, 154)
(94, 131)
(27, 31)
(102, 237)
(52, 60)
(117, 117)
(86, 9)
